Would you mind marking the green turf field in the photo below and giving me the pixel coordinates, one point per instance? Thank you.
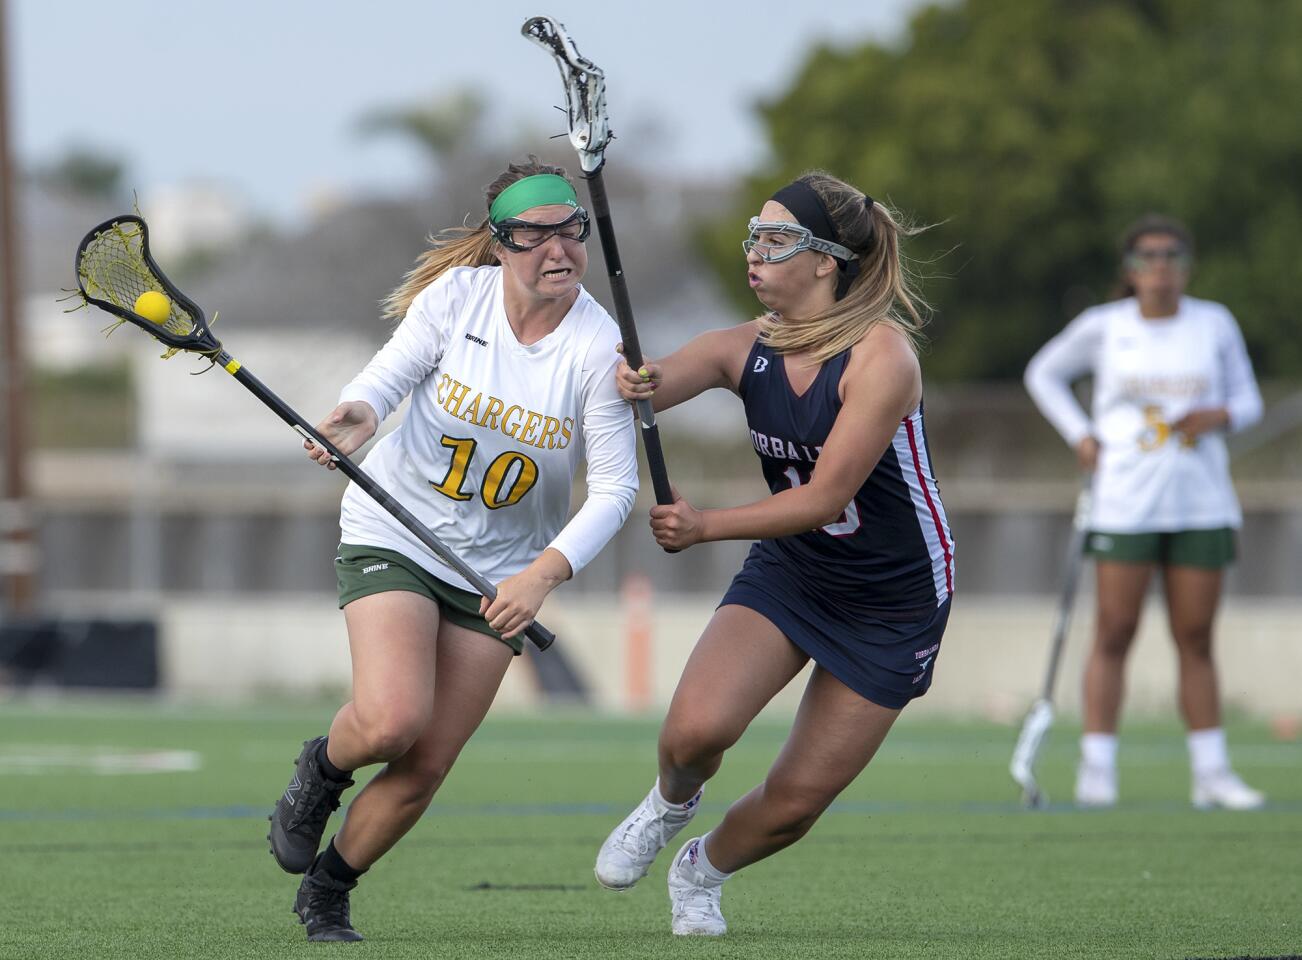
(927, 855)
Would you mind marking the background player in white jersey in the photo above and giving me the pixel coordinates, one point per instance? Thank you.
(1171, 377)
(854, 564)
(510, 367)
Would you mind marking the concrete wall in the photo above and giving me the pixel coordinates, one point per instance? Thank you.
(991, 664)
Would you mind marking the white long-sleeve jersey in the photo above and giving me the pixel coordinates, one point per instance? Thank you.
(487, 453)
(1148, 373)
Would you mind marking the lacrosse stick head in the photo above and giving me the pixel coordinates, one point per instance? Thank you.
(585, 91)
(1034, 729)
(114, 268)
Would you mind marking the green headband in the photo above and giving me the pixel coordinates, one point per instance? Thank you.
(540, 190)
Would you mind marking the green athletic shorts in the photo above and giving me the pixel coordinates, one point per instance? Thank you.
(363, 571)
(1209, 549)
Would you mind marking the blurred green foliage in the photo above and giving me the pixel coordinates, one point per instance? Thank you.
(1030, 134)
(84, 407)
(84, 172)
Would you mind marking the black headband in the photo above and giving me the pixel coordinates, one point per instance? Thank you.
(809, 210)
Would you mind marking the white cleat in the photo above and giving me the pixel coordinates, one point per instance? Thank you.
(1096, 786)
(632, 846)
(695, 906)
(1225, 790)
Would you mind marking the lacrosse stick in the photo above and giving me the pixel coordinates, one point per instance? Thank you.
(585, 102)
(1040, 717)
(114, 268)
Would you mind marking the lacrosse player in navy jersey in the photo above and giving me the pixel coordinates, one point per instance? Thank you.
(853, 565)
(510, 367)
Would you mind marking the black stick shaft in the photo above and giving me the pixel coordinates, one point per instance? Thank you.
(541, 637)
(655, 456)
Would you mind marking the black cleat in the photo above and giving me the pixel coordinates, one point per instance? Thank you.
(322, 907)
(301, 813)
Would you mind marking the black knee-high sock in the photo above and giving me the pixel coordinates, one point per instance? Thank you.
(334, 866)
(329, 769)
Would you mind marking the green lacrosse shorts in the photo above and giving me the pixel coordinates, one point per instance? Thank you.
(363, 571)
(1208, 549)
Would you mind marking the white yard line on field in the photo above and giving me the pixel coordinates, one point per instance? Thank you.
(105, 761)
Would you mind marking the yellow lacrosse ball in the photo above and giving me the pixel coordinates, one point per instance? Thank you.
(153, 306)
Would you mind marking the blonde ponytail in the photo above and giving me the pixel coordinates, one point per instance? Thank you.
(454, 247)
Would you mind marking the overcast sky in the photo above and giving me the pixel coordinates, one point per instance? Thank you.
(265, 95)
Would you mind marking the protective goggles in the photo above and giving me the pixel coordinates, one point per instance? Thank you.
(1142, 261)
(520, 235)
(775, 241)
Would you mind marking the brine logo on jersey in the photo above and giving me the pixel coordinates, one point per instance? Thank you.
(474, 339)
(761, 364)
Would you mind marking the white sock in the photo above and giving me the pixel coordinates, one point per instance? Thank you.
(710, 875)
(1207, 751)
(675, 811)
(1099, 750)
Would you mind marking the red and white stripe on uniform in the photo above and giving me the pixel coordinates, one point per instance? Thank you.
(915, 471)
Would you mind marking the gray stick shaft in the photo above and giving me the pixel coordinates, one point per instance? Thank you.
(1067, 596)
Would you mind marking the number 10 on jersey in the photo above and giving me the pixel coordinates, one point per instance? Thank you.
(508, 478)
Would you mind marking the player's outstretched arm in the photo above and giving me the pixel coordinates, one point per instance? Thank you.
(881, 387)
(713, 359)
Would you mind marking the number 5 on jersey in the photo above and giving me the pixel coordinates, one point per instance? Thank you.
(508, 478)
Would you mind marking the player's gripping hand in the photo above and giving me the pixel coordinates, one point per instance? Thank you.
(1087, 454)
(677, 525)
(520, 596)
(348, 426)
(1203, 420)
(637, 384)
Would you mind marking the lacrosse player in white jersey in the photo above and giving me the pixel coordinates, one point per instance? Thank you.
(510, 366)
(1171, 378)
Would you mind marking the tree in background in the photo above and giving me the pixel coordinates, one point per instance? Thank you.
(1031, 133)
(84, 172)
(443, 127)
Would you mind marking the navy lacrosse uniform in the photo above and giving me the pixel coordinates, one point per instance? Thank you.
(866, 597)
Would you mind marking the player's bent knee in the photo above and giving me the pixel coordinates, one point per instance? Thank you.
(1115, 637)
(794, 824)
(690, 746)
(430, 777)
(420, 785)
(796, 808)
(389, 738)
(1196, 645)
